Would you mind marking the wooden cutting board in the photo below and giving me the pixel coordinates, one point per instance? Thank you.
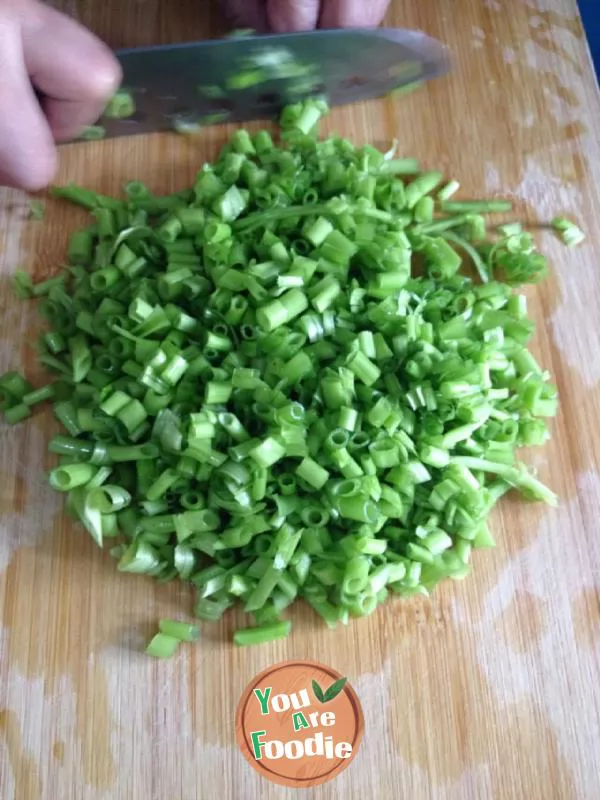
(490, 689)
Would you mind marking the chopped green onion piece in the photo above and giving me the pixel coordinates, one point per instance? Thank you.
(447, 191)
(477, 206)
(163, 646)
(37, 209)
(267, 633)
(569, 232)
(179, 630)
(93, 132)
(120, 106)
(16, 413)
(69, 476)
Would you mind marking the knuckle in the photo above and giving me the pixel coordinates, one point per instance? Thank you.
(105, 78)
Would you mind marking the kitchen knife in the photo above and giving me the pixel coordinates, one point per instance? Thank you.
(187, 86)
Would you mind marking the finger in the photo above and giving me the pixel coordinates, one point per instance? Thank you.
(352, 13)
(247, 14)
(27, 154)
(293, 15)
(75, 71)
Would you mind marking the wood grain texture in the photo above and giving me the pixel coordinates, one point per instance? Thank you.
(490, 689)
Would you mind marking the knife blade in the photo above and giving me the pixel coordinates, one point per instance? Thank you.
(187, 86)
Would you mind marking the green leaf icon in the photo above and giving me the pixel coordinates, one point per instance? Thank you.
(318, 692)
(334, 690)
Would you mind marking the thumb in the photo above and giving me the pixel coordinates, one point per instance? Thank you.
(293, 15)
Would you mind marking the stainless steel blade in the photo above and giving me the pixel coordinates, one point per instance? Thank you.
(238, 79)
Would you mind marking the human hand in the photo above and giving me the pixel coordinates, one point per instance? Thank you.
(43, 50)
(303, 15)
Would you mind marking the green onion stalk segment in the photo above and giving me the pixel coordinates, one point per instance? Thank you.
(306, 376)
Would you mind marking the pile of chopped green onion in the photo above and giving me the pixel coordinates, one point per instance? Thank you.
(278, 384)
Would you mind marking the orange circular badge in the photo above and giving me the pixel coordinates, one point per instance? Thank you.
(299, 723)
